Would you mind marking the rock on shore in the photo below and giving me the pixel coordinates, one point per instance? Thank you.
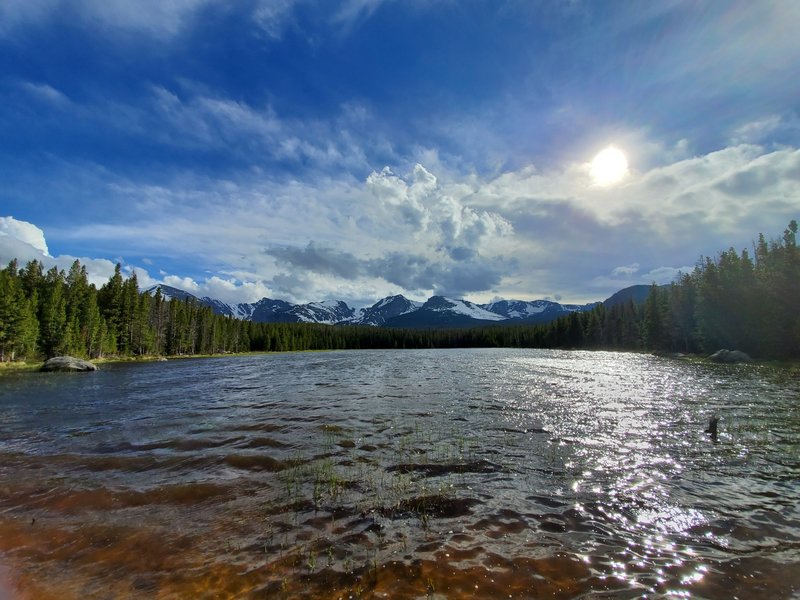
(730, 357)
(67, 364)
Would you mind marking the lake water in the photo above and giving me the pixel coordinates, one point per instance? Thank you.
(401, 474)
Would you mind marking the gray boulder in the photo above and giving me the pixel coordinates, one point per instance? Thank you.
(67, 364)
(730, 357)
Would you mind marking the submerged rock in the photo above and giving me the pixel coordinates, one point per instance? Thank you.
(67, 364)
(713, 425)
(730, 357)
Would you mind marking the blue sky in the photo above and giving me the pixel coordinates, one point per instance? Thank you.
(309, 150)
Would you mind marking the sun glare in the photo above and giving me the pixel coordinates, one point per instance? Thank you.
(609, 166)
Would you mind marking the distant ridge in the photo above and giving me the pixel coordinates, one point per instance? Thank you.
(637, 293)
(399, 311)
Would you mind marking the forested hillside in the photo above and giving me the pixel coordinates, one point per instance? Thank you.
(732, 301)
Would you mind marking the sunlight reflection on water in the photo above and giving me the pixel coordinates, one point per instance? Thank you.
(413, 474)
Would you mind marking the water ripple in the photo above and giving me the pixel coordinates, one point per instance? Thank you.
(443, 474)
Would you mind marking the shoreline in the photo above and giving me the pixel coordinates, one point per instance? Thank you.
(23, 366)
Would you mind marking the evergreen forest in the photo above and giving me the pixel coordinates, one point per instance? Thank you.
(736, 300)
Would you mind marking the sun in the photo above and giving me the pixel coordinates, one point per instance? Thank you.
(609, 166)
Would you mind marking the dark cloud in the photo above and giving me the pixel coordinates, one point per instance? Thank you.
(318, 259)
(462, 278)
(461, 253)
(762, 175)
(746, 183)
(462, 272)
(443, 277)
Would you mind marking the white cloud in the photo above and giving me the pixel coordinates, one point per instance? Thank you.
(626, 271)
(25, 242)
(11, 248)
(432, 213)
(755, 131)
(184, 283)
(24, 232)
(143, 278)
(233, 291)
(528, 233)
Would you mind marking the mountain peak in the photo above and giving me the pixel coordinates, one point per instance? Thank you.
(393, 311)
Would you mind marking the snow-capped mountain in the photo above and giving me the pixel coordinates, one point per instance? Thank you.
(383, 310)
(172, 293)
(267, 310)
(439, 311)
(328, 312)
(392, 311)
(536, 311)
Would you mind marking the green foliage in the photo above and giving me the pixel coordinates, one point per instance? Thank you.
(18, 325)
(729, 302)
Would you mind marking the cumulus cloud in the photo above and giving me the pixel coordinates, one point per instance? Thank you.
(24, 232)
(184, 283)
(233, 291)
(528, 233)
(418, 236)
(429, 209)
(25, 242)
(11, 248)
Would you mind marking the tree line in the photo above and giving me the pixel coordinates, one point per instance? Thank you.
(52, 313)
(734, 300)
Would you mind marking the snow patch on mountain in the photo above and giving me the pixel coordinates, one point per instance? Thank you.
(391, 311)
(461, 307)
(383, 310)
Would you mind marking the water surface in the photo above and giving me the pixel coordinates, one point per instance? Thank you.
(406, 474)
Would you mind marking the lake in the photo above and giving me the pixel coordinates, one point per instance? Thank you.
(401, 474)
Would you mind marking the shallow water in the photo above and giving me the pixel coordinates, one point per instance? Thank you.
(408, 474)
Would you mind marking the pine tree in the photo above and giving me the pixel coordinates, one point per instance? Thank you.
(110, 302)
(654, 332)
(53, 315)
(17, 322)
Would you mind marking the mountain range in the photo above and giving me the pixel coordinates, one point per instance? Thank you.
(399, 311)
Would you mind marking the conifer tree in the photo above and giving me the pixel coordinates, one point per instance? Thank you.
(110, 302)
(53, 314)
